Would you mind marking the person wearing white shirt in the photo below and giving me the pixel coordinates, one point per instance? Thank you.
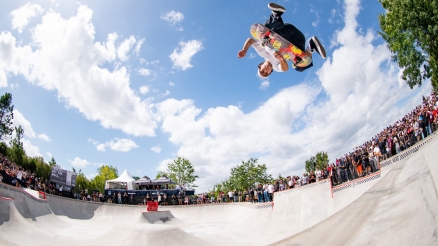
(318, 174)
(230, 195)
(271, 189)
(274, 60)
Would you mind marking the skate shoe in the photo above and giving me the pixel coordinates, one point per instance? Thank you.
(315, 45)
(276, 8)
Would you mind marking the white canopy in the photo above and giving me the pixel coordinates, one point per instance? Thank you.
(124, 181)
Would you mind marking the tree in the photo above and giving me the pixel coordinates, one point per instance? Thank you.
(3, 148)
(17, 153)
(410, 27)
(247, 174)
(104, 173)
(321, 160)
(82, 182)
(6, 116)
(42, 168)
(135, 177)
(52, 162)
(182, 171)
(311, 164)
(161, 174)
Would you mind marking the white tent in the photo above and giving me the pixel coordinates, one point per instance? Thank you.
(124, 181)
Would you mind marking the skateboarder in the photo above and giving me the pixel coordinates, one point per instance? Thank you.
(273, 59)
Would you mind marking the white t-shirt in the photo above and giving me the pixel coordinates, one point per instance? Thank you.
(271, 188)
(376, 151)
(268, 54)
(318, 173)
(230, 194)
(19, 175)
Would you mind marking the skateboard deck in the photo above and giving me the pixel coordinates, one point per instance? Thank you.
(274, 41)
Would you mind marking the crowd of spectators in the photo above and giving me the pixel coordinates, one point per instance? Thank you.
(362, 161)
(15, 175)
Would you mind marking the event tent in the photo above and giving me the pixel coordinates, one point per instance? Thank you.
(124, 181)
(160, 181)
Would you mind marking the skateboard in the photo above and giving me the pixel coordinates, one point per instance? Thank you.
(274, 41)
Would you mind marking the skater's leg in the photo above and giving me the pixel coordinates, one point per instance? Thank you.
(274, 21)
(313, 45)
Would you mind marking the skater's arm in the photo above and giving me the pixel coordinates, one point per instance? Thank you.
(246, 46)
(283, 64)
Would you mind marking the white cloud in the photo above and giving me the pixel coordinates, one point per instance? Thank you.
(110, 99)
(124, 48)
(173, 17)
(30, 149)
(78, 162)
(19, 119)
(120, 145)
(22, 15)
(93, 141)
(138, 46)
(25, 124)
(171, 83)
(264, 84)
(317, 18)
(49, 155)
(144, 89)
(144, 72)
(166, 93)
(44, 137)
(156, 149)
(182, 56)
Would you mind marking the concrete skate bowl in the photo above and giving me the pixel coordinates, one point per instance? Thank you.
(396, 206)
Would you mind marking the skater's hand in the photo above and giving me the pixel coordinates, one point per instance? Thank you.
(241, 54)
(278, 56)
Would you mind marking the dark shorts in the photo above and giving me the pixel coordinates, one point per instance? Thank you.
(293, 35)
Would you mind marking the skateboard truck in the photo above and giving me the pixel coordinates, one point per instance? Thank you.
(266, 38)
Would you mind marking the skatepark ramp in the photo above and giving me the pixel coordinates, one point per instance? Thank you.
(397, 205)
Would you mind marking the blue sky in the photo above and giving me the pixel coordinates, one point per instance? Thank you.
(134, 84)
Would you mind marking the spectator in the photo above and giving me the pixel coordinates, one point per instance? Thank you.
(271, 189)
(318, 174)
(119, 198)
(164, 199)
(230, 196)
(159, 198)
(180, 200)
(343, 170)
(259, 191)
(281, 186)
(265, 193)
(312, 178)
(235, 195)
(304, 179)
